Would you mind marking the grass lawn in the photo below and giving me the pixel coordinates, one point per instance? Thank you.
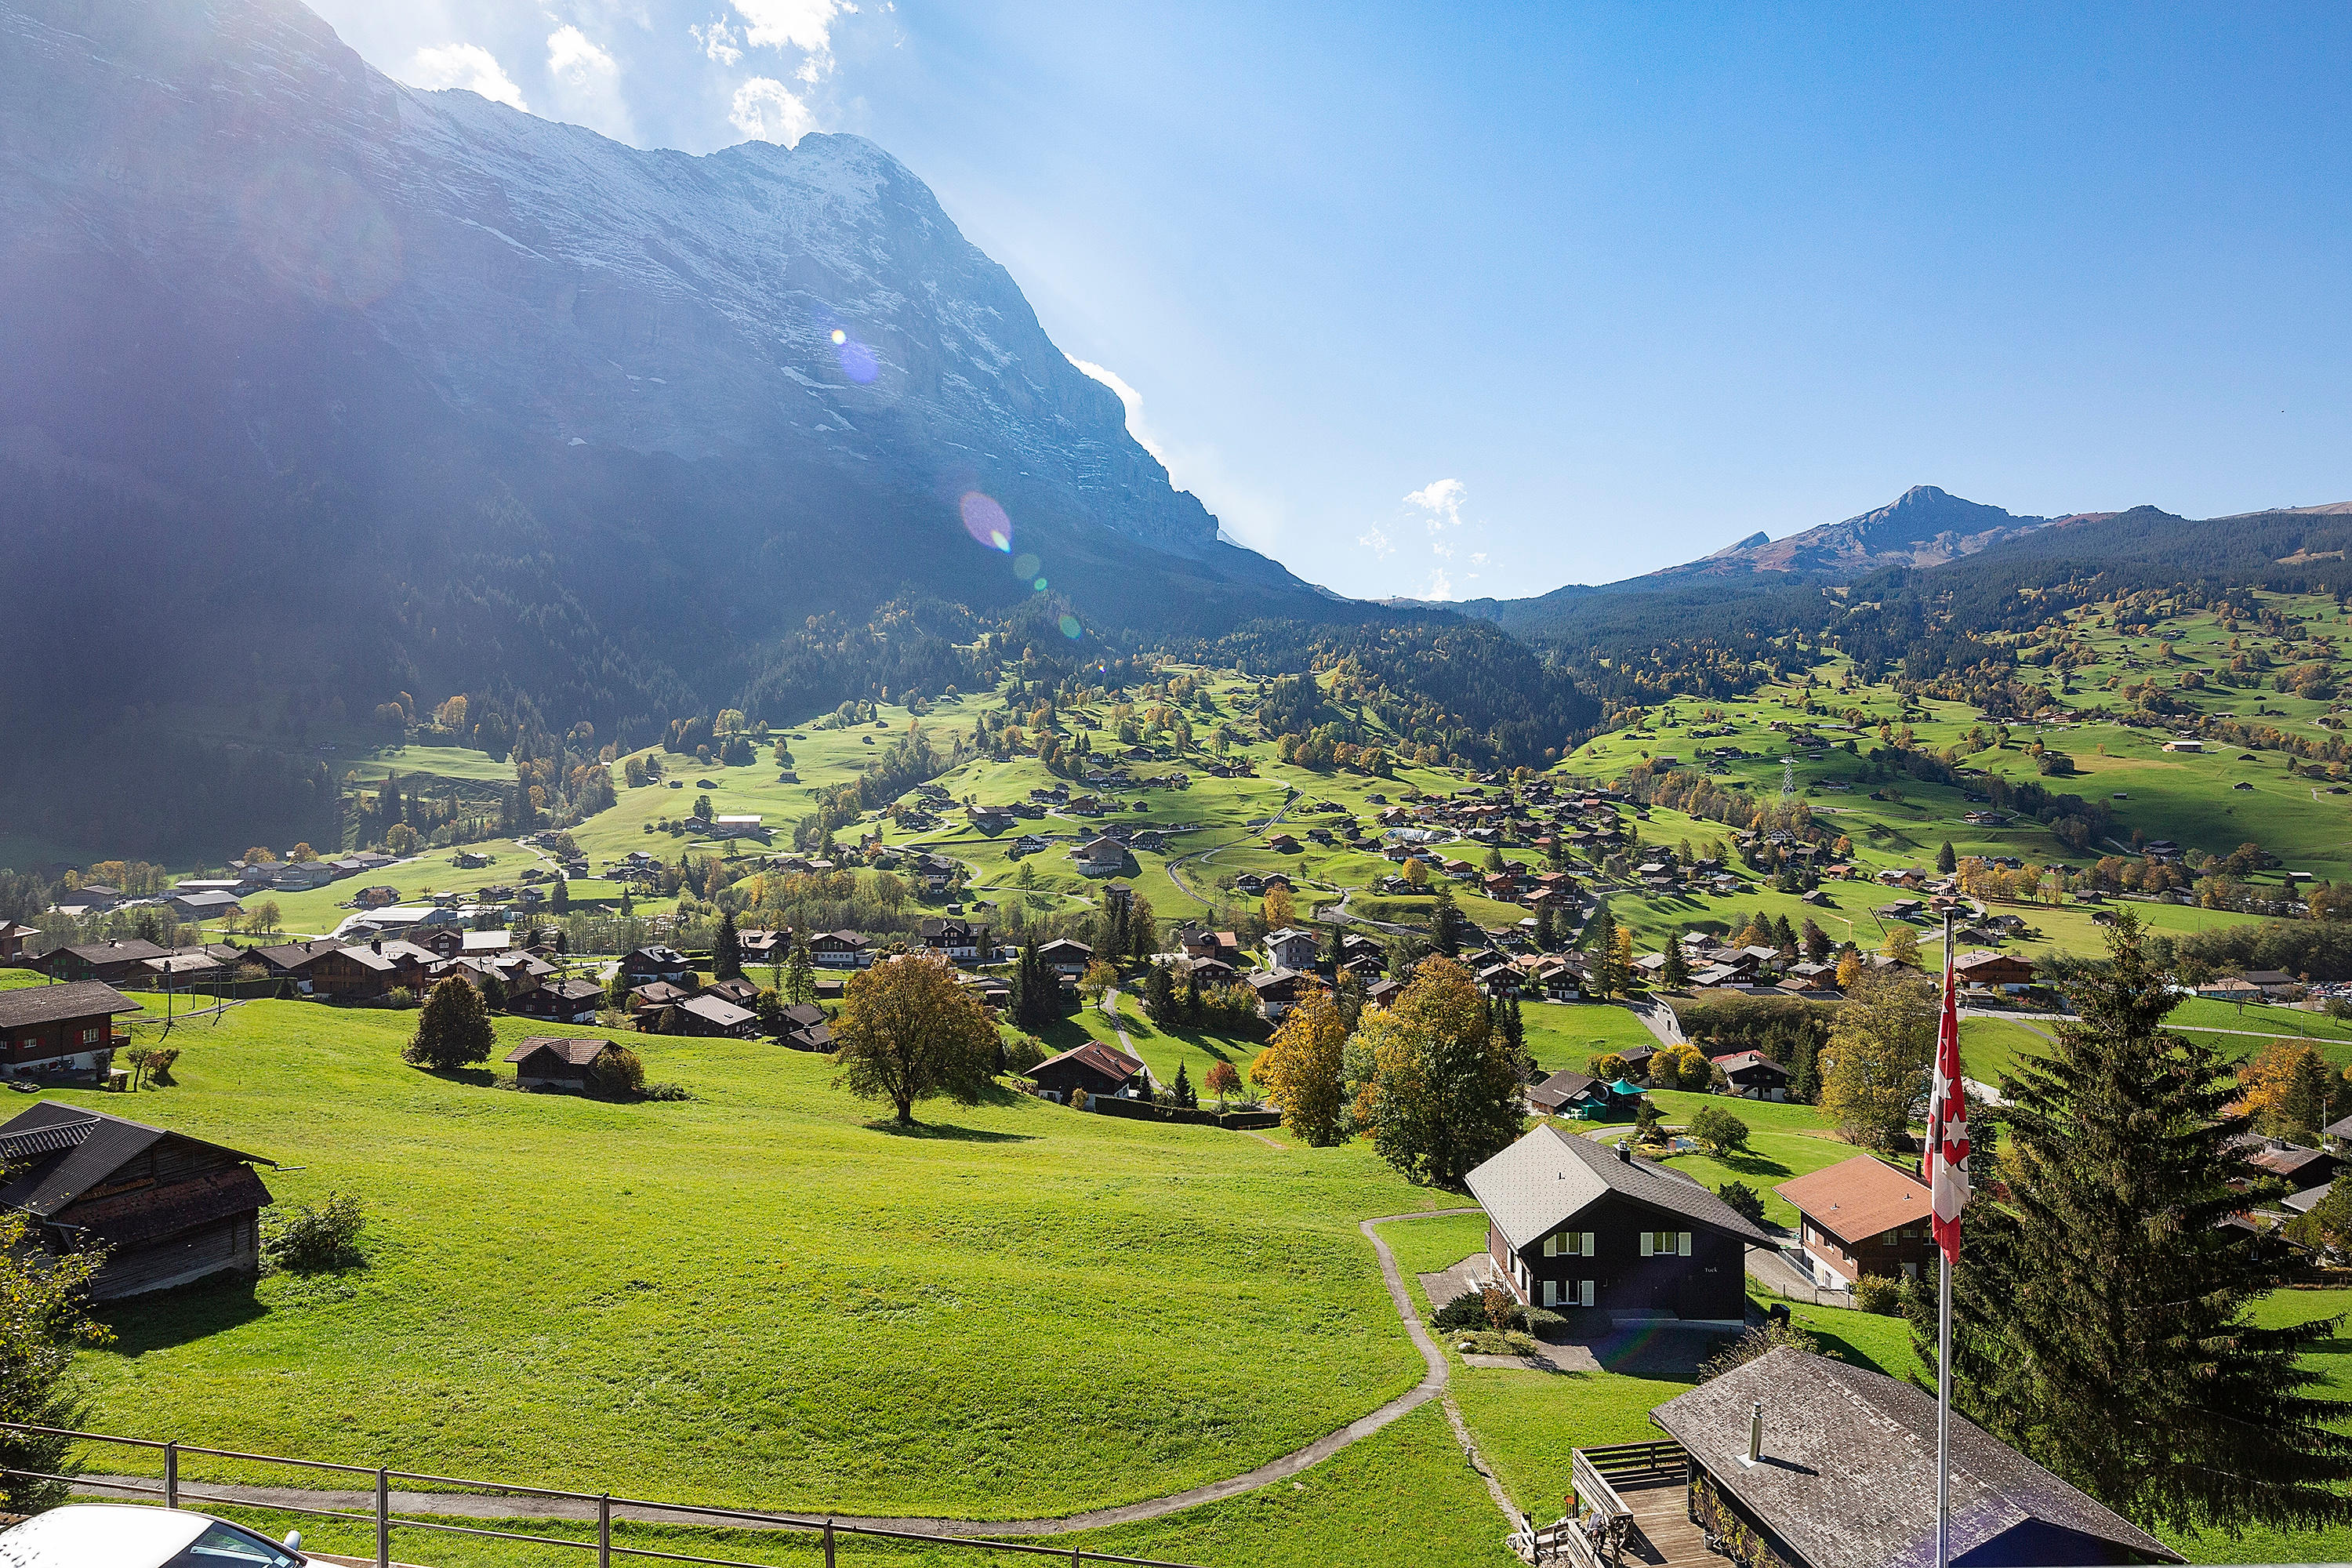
(1570, 1034)
(1400, 1498)
(1991, 1046)
(765, 1294)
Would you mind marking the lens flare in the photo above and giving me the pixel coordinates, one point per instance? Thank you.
(1039, 584)
(857, 362)
(1025, 566)
(985, 521)
(1070, 627)
(839, 337)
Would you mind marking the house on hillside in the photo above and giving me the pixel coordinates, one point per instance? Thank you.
(60, 1028)
(1754, 1076)
(111, 962)
(1570, 1223)
(1844, 1476)
(16, 941)
(363, 974)
(1104, 857)
(169, 1209)
(1094, 1067)
(2000, 970)
(560, 1002)
(558, 1062)
(1280, 990)
(1571, 1094)
(840, 950)
(709, 1016)
(1862, 1216)
(1066, 957)
(1291, 948)
(647, 964)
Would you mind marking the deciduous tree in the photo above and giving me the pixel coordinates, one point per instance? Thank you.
(908, 1032)
(1300, 1068)
(453, 1030)
(1875, 1063)
(1443, 1092)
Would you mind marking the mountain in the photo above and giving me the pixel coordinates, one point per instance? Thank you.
(394, 391)
(1921, 526)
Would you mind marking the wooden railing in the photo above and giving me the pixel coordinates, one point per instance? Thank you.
(1726, 1532)
(1595, 1538)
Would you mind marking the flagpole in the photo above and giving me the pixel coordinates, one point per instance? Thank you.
(1943, 1300)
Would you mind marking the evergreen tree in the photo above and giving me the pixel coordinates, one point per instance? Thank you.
(1675, 973)
(2104, 1311)
(727, 951)
(1445, 923)
(1946, 861)
(1515, 1028)
(1037, 992)
(560, 901)
(1187, 1097)
(1784, 935)
(1142, 931)
(2303, 1109)
(453, 1030)
(1192, 1007)
(1159, 995)
(800, 975)
(1816, 943)
(1110, 930)
(1547, 929)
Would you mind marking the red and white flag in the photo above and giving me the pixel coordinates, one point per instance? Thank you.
(1944, 1165)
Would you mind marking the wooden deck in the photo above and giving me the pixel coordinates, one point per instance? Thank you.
(1662, 1535)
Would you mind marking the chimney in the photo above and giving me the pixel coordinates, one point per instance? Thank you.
(1624, 1151)
(376, 945)
(1756, 1432)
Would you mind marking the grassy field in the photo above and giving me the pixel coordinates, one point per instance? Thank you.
(761, 1295)
(1570, 1034)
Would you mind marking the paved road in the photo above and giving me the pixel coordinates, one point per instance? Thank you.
(465, 1505)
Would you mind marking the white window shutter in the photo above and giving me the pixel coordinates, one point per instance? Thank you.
(1551, 1292)
(1645, 1243)
(1681, 1243)
(1551, 1245)
(1585, 1292)
(1588, 1238)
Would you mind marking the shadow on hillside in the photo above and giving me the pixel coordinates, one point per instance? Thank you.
(946, 1133)
(479, 1078)
(1748, 1163)
(1839, 1348)
(170, 1319)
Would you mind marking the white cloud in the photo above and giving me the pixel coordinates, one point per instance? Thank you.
(573, 57)
(1442, 500)
(1479, 559)
(1441, 586)
(717, 42)
(468, 66)
(765, 108)
(802, 25)
(1373, 539)
(1131, 400)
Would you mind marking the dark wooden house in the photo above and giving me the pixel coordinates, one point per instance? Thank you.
(1862, 1216)
(1752, 1075)
(169, 1209)
(16, 941)
(565, 1062)
(1571, 1222)
(1826, 1464)
(112, 962)
(1094, 1067)
(648, 964)
(560, 1001)
(58, 1029)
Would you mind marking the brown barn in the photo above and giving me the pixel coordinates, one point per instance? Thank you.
(1094, 1067)
(50, 1028)
(1998, 969)
(362, 973)
(1862, 1216)
(14, 941)
(169, 1208)
(544, 1062)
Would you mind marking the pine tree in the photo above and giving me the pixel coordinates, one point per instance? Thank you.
(1547, 929)
(2303, 1109)
(1445, 923)
(1159, 995)
(727, 951)
(1515, 1028)
(1187, 1097)
(2104, 1308)
(1784, 935)
(1946, 861)
(1816, 943)
(1675, 972)
(800, 975)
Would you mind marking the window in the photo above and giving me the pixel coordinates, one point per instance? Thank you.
(1569, 1244)
(89, 1037)
(1665, 1244)
(227, 1546)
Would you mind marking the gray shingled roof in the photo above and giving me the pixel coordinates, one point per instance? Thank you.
(1548, 1176)
(32, 1005)
(1848, 1478)
(71, 1150)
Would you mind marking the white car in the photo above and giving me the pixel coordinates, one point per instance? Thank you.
(121, 1535)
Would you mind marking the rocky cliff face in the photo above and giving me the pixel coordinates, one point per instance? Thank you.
(809, 304)
(1921, 526)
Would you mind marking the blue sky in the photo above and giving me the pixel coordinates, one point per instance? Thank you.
(1457, 303)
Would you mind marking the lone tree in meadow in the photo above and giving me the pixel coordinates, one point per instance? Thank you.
(1224, 1083)
(453, 1030)
(2104, 1312)
(908, 1032)
(1718, 1129)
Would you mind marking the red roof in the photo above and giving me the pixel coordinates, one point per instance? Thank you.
(1108, 1060)
(1859, 1198)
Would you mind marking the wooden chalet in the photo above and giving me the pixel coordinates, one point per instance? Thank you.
(169, 1209)
(1825, 1465)
(653, 997)
(558, 1062)
(60, 1028)
(1862, 1216)
(560, 1002)
(1752, 1075)
(1094, 1067)
(114, 962)
(1575, 1094)
(840, 950)
(709, 1016)
(646, 965)
(365, 973)
(2002, 971)
(1570, 1223)
(1066, 956)
(16, 941)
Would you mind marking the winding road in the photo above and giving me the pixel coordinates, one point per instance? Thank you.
(465, 1505)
